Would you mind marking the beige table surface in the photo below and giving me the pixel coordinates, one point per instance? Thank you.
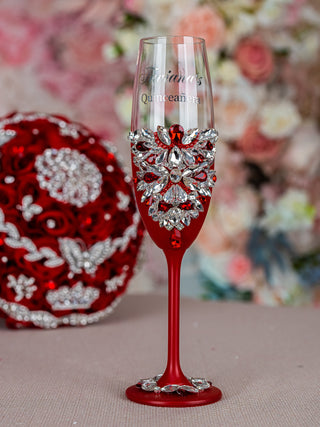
(266, 361)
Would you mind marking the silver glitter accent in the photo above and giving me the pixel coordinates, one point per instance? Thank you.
(46, 320)
(28, 208)
(151, 385)
(23, 286)
(68, 176)
(72, 298)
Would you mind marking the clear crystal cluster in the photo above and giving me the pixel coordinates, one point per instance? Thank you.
(75, 297)
(174, 172)
(44, 319)
(151, 384)
(68, 176)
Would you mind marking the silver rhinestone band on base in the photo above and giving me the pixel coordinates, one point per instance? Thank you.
(151, 384)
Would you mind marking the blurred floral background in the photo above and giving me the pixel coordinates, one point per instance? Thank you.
(261, 240)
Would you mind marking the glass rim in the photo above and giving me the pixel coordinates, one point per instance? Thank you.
(181, 39)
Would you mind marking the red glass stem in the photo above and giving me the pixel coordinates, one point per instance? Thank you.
(173, 373)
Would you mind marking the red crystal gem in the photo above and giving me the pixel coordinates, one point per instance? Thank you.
(175, 239)
(176, 133)
(140, 146)
(150, 177)
(149, 201)
(50, 284)
(88, 221)
(209, 145)
(110, 156)
(202, 199)
(214, 178)
(202, 176)
(164, 207)
(186, 206)
(199, 158)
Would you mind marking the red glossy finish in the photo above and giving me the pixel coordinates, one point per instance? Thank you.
(205, 397)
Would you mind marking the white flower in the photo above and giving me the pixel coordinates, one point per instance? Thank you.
(242, 25)
(290, 212)
(239, 214)
(109, 52)
(164, 14)
(303, 152)
(235, 105)
(306, 49)
(271, 12)
(228, 72)
(279, 119)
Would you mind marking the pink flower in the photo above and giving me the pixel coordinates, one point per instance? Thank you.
(134, 6)
(96, 110)
(258, 147)
(293, 12)
(78, 47)
(255, 59)
(238, 270)
(18, 34)
(203, 22)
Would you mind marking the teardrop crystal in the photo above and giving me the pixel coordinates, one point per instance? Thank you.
(160, 184)
(163, 135)
(187, 157)
(175, 195)
(147, 134)
(175, 157)
(208, 134)
(190, 136)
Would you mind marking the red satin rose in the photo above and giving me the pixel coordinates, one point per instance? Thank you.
(255, 59)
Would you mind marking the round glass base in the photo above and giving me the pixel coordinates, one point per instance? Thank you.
(203, 397)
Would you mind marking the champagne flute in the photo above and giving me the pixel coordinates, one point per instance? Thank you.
(173, 149)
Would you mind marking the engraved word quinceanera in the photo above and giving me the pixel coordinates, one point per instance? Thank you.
(174, 172)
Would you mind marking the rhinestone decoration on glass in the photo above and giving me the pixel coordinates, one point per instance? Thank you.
(175, 170)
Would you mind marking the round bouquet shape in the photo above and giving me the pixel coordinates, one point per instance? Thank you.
(69, 230)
